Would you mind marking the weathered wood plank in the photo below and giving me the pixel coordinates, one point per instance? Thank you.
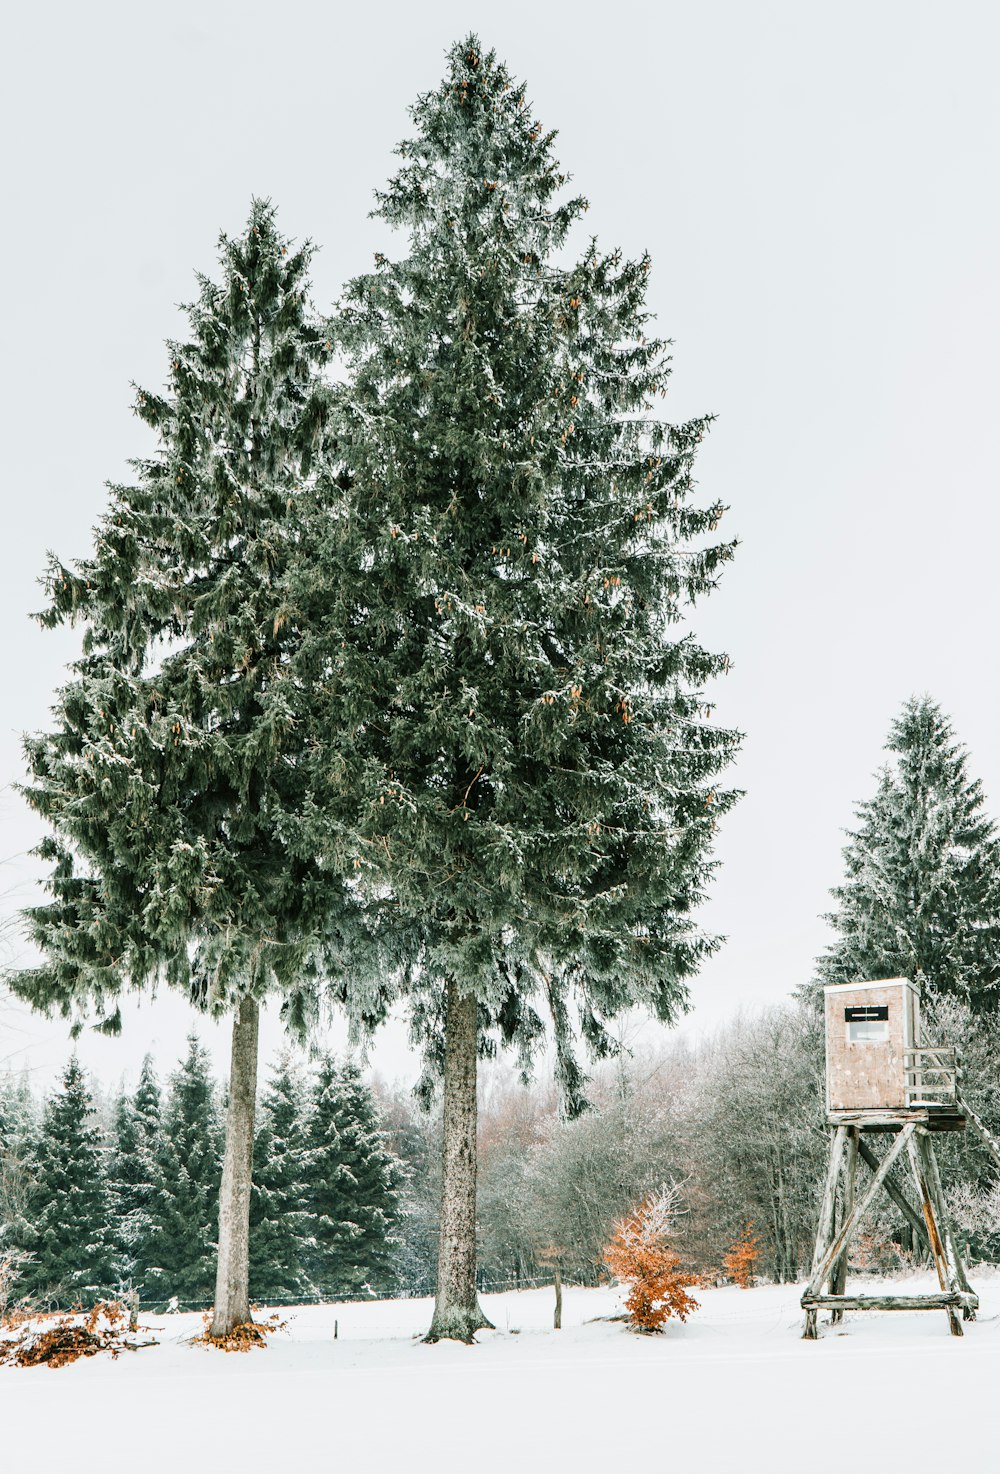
(948, 1118)
(824, 1231)
(954, 1300)
(829, 1200)
(921, 1177)
(838, 1278)
(986, 1136)
(958, 1276)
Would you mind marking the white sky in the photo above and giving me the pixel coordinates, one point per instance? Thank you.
(817, 187)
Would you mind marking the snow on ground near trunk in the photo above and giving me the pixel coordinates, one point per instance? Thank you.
(735, 1389)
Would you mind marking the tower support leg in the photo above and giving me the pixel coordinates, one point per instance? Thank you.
(838, 1279)
(827, 1213)
(918, 1148)
(956, 1266)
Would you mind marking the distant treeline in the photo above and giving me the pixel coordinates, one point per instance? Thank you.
(347, 1174)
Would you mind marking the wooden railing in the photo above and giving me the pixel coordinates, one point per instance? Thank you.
(931, 1075)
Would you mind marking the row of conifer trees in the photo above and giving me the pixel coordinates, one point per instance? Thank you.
(90, 1209)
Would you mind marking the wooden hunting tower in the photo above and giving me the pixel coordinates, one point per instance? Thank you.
(881, 1080)
(871, 1036)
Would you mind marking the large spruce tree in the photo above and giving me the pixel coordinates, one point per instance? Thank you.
(921, 893)
(512, 727)
(173, 768)
(67, 1230)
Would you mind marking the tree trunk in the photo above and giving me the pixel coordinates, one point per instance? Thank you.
(457, 1313)
(232, 1283)
(557, 1318)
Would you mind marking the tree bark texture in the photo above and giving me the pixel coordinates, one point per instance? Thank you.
(457, 1312)
(232, 1284)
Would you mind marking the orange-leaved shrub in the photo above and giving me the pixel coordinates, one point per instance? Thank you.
(641, 1257)
(740, 1263)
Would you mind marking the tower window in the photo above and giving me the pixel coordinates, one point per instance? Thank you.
(867, 1023)
(867, 1031)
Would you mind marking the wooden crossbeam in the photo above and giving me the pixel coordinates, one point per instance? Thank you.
(957, 1299)
(826, 1261)
(986, 1136)
(907, 1209)
(935, 1115)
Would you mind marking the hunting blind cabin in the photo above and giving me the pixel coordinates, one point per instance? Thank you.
(882, 1081)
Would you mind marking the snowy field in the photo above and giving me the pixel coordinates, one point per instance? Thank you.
(734, 1390)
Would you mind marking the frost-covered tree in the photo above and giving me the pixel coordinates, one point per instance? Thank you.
(354, 1182)
(921, 894)
(969, 1170)
(755, 1140)
(183, 1211)
(515, 738)
(174, 765)
(17, 1129)
(640, 1254)
(514, 1119)
(132, 1170)
(588, 1173)
(281, 1225)
(67, 1230)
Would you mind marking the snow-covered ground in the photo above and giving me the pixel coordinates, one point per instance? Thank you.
(735, 1390)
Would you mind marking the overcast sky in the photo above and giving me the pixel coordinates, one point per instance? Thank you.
(817, 188)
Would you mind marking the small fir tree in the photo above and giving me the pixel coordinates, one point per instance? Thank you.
(514, 736)
(184, 1197)
(354, 1187)
(921, 894)
(281, 1225)
(175, 764)
(133, 1172)
(68, 1229)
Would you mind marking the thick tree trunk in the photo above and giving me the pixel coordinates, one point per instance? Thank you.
(457, 1313)
(232, 1283)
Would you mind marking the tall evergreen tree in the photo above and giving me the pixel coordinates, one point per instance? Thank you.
(281, 1224)
(173, 768)
(184, 1200)
(513, 732)
(921, 893)
(133, 1172)
(68, 1228)
(355, 1186)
